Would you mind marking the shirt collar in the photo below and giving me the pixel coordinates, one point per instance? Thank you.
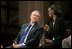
(32, 24)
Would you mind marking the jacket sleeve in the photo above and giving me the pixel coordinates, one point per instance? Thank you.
(19, 34)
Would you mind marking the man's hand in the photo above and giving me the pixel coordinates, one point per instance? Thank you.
(15, 45)
(46, 27)
(48, 40)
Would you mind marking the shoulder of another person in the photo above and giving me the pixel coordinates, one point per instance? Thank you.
(60, 18)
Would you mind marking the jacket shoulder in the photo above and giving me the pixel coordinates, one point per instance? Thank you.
(24, 25)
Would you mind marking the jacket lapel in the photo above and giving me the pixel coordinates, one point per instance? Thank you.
(32, 32)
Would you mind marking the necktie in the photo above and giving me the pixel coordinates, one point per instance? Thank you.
(24, 34)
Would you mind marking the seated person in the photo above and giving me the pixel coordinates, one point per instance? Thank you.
(30, 34)
(66, 42)
(55, 33)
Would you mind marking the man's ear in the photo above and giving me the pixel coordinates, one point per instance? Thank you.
(30, 16)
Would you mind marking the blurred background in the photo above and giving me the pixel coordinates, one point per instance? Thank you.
(16, 13)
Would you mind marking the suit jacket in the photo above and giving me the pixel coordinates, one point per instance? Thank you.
(34, 35)
(57, 31)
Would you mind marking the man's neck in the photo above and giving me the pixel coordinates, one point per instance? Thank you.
(32, 23)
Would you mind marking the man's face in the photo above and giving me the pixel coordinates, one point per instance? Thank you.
(68, 31)
(50, 12)
(35, 16)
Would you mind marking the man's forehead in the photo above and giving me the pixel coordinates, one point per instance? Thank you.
(36, 12)
(49, 8)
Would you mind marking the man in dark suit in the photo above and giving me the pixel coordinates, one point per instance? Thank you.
(30, 34)
(56, 27)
